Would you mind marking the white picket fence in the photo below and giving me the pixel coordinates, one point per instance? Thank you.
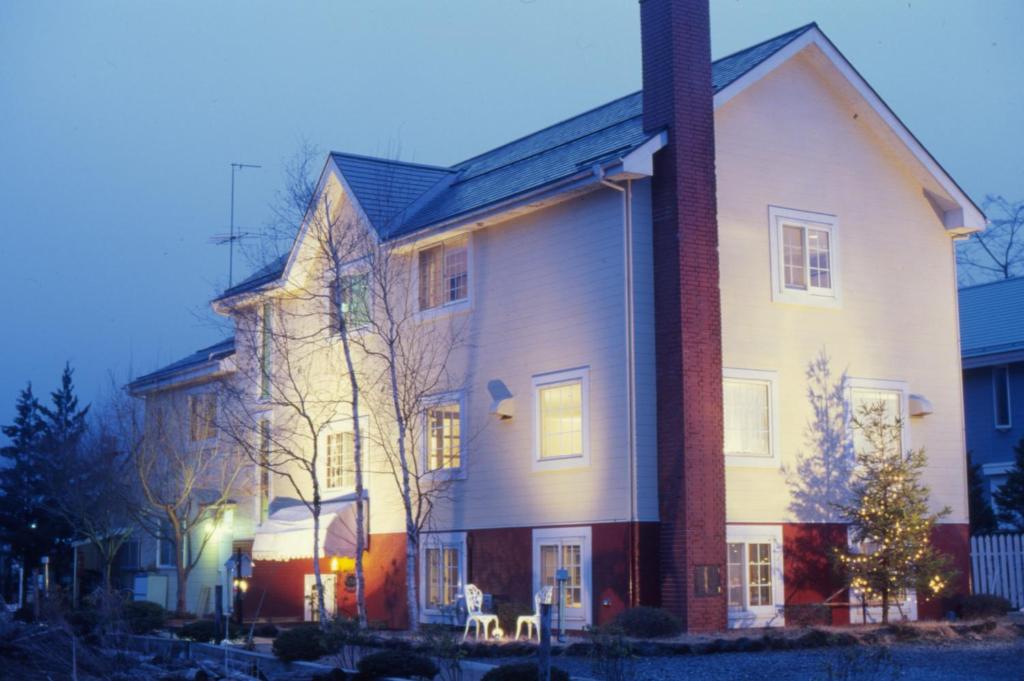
(997, 566)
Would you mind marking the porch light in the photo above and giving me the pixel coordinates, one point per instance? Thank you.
(241, 584)
(919, 405)
(343, 564)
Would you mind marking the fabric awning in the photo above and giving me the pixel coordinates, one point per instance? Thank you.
(288, 532)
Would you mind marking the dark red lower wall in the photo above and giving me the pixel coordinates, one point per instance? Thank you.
(810, 578)
(283, 581)
(500, 562)
(954, 541)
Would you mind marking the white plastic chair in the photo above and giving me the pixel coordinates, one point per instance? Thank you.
(475, 614)
(532, 622)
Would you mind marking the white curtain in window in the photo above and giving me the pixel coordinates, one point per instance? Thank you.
(747, 417)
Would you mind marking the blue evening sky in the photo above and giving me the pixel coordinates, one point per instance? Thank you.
(118, 122)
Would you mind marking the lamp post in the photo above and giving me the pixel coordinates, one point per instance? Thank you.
(240, 586)
(561, 577)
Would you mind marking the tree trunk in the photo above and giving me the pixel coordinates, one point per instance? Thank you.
(320, 608)
(180, 605)
(357, 438)
(411, 529)
(885, 606)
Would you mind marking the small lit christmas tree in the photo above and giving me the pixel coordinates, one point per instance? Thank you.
(889, 516)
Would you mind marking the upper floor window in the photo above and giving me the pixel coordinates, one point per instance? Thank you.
(444, 273)
(340, 460)
(351, 301)
(891, 395)
(266, 330)
(1001, 396)
(803, 257)
(561, 417)
(444, 435)
(748, 399)
(202, 414)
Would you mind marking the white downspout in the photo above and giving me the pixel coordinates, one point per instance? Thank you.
(627, 245)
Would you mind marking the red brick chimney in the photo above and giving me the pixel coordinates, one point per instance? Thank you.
(691, 471)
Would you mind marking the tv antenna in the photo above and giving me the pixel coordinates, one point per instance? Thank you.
(231, 237)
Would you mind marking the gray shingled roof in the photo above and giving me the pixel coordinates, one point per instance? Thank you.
(386, 188)
(224, 348)
(992, 318)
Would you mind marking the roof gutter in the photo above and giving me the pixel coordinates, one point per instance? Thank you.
(205, 371)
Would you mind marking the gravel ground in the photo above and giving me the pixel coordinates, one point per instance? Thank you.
(984, 661)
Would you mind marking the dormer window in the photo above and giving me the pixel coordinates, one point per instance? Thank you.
(444, 274)
(803, 257)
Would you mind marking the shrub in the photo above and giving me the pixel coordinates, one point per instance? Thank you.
(205, 631)
(644, 622)
(300, 643)
(387, 663)
(522, 671)
(265, 629)
(978, 606)
(143, 617)
(84, 622)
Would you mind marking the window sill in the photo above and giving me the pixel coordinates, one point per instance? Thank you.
(806, 299)
(561, 463)
(446, 474)
(458, 307)
(741, 461)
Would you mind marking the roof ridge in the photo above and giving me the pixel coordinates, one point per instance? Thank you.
(992, 283)
(545, 150)
(379, 159)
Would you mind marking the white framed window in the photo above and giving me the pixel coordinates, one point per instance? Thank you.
(1001, 397)
(165, 545)
(750, 417)
(337, 465)
(804, 257)
(442, 433)
(442, 573)
(569, 549)
(339, 453)
(350, 301)
(754, 576)
(444, 273)
(561, 419)
(266, 343)
(868, 392)
(202, 415)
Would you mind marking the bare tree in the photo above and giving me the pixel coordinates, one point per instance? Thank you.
(302, 379)
(415, 356)
(998, 252)
(187, 477)
(91, 492)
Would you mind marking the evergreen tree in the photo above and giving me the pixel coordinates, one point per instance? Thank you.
(983, 518)
(22, 519)
(890, 520)
(1010, 497)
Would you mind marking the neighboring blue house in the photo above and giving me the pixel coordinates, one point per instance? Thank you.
(992, 348)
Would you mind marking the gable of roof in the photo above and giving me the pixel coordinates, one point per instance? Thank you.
(992, 318)
(184, 366)
(384, 188)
